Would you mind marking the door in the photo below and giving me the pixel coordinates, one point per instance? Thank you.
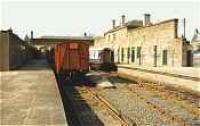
(84, 57)
(164, 57)
(133, 54)
(155, 56)
(74, 56)
(189, 58)
(139, 54)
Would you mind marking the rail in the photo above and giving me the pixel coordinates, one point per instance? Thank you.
(115, 113)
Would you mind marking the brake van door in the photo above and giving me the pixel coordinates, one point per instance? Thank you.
(84, 57)
(74, 57)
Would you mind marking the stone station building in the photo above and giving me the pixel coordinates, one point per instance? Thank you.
(143, 43)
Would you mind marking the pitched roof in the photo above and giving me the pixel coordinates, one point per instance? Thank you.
(67, 37)
(59, 39)
(133, 26)
(129, 24)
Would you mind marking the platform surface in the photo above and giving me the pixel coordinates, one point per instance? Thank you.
(190, 82)
(30, 96)
(183, 71)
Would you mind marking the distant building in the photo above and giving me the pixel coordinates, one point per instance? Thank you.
(147, 44)
(196, 48)
(48, 42)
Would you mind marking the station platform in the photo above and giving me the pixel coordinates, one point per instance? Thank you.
(181, 77)
(30, 96)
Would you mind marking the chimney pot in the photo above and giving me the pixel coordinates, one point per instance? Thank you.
(85, 34)
(196, 31)
(123, 20)
(147, 19)
(31, 35)
(113, 23)
(10, 30)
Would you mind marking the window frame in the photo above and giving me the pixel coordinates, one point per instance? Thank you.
(164, 57)
(138, 51)
(122, 54)
(133, 54)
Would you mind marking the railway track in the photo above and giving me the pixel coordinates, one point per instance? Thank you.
(176, 97)
(172, 115)
(191, 98)
(162, 111)
(176, 100)
(89, 108)
(88, 99)
(112, 110)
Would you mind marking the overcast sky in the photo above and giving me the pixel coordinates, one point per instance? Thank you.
(75, 18)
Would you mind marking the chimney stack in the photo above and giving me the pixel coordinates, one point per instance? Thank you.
(10, 30)
(196, 31)
(147, 19)
(184, 21)
(113, 23)
(123, 20)
(85, 34)
(31, 35)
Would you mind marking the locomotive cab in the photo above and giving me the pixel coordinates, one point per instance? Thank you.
(102, 59)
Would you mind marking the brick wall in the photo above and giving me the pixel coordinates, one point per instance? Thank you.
(16, 51)
(4, 51)
(13, 51)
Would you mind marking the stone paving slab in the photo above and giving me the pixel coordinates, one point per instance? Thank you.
(30, 96)
(183, 71)
(163, 79)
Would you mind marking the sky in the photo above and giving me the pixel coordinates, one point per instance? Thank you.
(74, 18)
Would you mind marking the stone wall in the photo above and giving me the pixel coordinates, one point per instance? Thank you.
(196, 53)
(118, 40)
(99, 42)
(161, 37)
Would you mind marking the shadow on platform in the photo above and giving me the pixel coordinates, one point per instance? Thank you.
(74, 103)
(35, 64)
